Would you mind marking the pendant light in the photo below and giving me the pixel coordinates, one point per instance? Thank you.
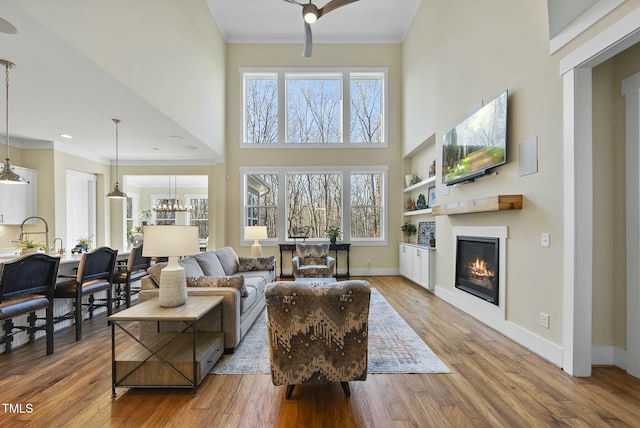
(116, 193)
(8, 175)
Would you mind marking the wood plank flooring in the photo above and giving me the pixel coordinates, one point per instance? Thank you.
(495, 383)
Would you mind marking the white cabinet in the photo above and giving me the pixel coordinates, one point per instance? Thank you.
(417, 263)
(19, 201)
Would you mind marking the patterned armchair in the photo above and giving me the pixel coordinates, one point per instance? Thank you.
(313, 261)
(318, 332)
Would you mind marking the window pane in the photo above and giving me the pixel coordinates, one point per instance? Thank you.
(199, 216)
(314, 111)
(366, 205)
(314, 203)
(262, 202)
(261, 115)
(366, 108)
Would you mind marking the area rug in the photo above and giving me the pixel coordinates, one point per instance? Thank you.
(393, 346)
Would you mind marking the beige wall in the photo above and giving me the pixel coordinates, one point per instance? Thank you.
(475, 54)
(388, 55)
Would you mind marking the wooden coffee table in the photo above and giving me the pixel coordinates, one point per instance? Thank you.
(179, 359)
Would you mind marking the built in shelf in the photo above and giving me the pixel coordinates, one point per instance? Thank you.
(422, 183)
(492, 203)
(418, 212)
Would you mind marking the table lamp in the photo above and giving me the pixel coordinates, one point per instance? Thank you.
(255, 233)
(171, 242)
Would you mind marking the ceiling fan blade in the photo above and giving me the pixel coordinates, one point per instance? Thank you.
(293, 1)
(333, 4)
(308, 41)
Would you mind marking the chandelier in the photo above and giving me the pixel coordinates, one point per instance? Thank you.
(171, 205)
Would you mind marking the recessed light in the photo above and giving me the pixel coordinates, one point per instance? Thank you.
(177, 137)
(156, 149)
(66, 136)
(191, 147)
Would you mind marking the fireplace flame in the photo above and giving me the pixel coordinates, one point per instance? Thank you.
(479, 269)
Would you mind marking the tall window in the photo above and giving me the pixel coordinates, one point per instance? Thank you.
(324, 107)
(261, 202)
(199, 214)
(314, 199)
(366, 205)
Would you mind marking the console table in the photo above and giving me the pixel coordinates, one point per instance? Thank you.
(338, 246)
(177, 359)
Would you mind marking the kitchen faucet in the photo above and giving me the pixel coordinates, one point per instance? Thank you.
(46, 231)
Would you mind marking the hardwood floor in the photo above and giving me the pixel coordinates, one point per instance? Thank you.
(494, 383)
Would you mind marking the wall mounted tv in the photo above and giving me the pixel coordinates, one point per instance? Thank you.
(477, 145)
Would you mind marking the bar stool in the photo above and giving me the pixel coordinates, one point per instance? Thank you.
(95, 274)
(26, 285)
(135, 268)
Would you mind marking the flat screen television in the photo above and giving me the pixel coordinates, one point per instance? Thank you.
(477, 145)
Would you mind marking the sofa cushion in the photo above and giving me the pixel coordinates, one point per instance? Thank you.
(228, 259)
(256, 282)
(219, 281)
(251, 298)
(210, 264)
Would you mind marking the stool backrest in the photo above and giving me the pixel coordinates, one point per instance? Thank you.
(97, 264)
(30, 274)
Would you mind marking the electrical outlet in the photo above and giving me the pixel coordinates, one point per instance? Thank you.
(544, 320)
(544, 240)
(369, 262)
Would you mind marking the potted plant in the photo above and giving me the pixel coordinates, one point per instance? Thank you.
(144, 215)
(27, 245)
(333, 233)
(83, 245)
(408, 229)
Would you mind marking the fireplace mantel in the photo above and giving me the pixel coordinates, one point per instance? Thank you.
(492, 203)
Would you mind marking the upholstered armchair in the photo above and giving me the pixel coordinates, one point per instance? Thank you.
(312, 261)
(318, 332)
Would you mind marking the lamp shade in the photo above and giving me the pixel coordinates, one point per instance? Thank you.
(255, 232)
(170, 241)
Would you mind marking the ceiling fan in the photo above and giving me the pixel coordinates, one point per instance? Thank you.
(311, 13)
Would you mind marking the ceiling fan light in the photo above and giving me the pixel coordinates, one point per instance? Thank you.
(310, 13)
(310, 17)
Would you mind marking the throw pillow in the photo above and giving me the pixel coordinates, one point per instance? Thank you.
(154, 271)
(219, 281)
(246, 264)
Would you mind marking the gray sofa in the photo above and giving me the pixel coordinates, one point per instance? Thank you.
(214, 270)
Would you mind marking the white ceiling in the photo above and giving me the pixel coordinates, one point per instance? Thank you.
(277, 21)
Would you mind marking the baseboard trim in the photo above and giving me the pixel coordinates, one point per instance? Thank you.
(609, 356)
(540, 346)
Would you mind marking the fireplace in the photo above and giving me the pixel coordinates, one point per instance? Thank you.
(477, 260)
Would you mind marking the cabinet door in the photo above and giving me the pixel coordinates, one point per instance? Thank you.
(405, 261)
(426, 260)
(416, 264)
(18, 201)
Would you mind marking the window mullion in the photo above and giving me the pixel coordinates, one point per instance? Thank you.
(346, 205)
(282, 108)
(346, 108)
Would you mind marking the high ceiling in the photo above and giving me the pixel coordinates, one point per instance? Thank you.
(57, 88)
(277, 21)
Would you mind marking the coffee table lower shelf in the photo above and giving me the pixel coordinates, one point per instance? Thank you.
(134, 368)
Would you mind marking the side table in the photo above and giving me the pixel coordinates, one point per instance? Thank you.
(179, 359)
